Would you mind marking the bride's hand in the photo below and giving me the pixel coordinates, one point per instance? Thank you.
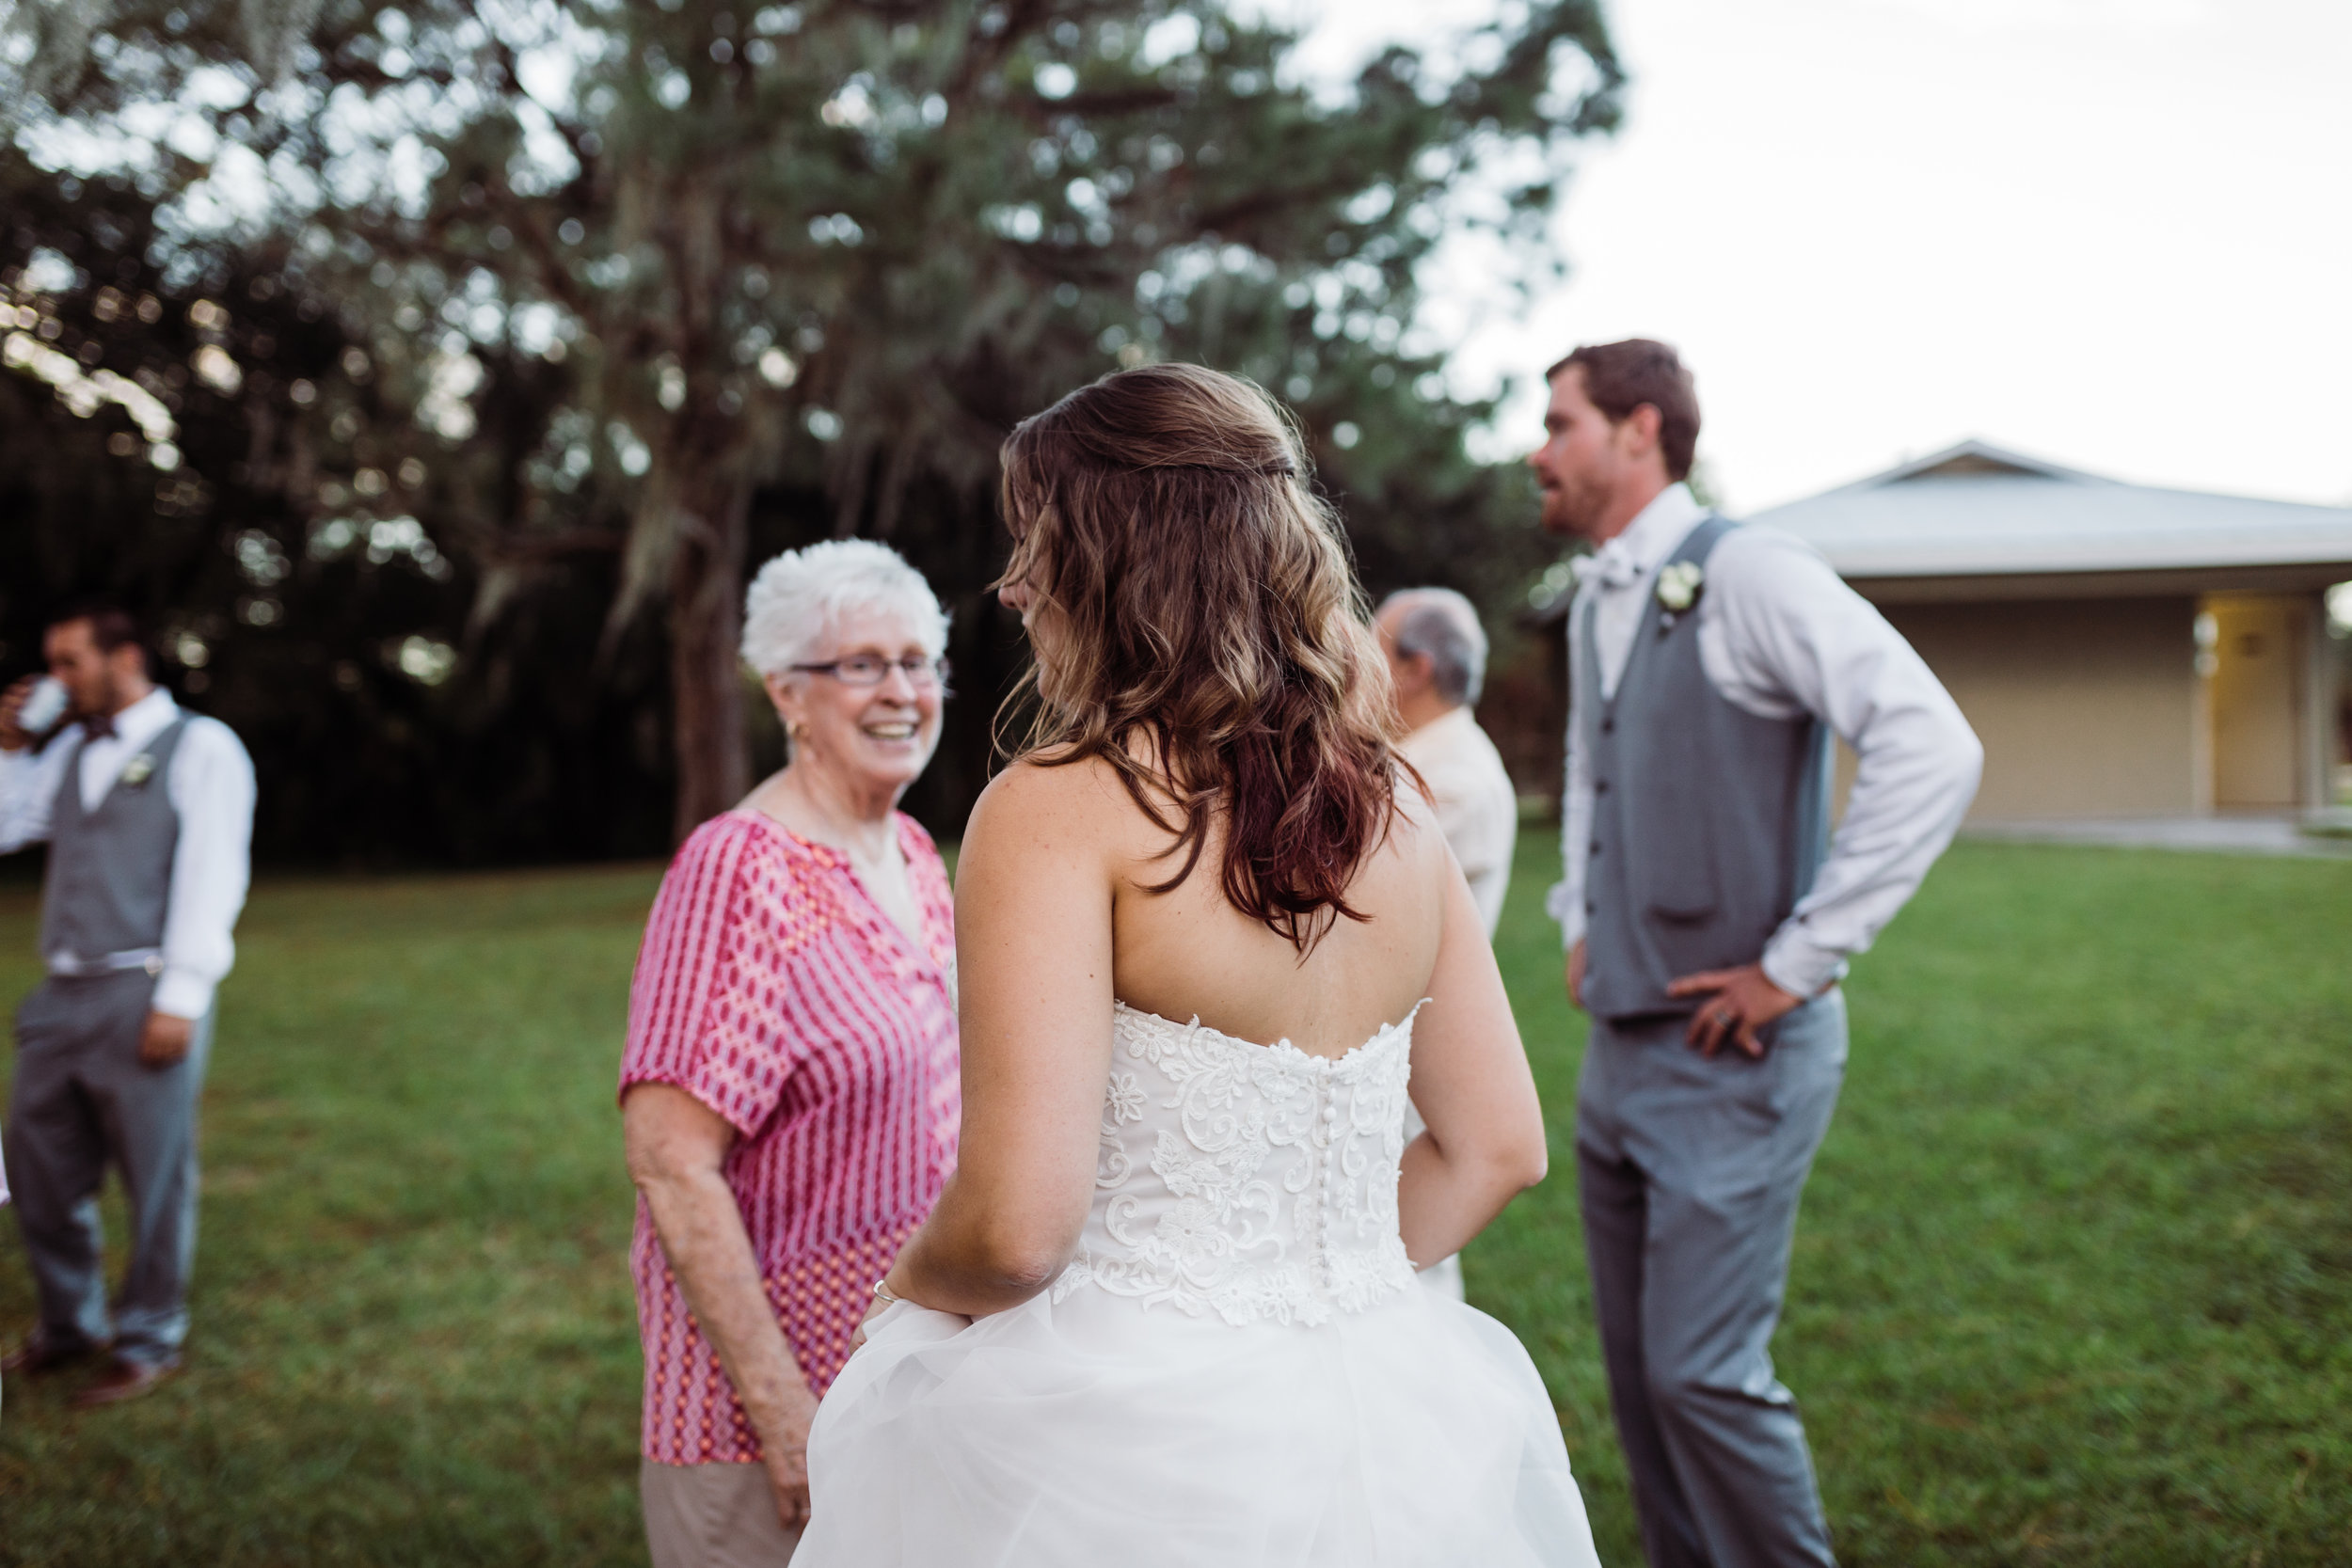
(857, 1340)
(874, 1309)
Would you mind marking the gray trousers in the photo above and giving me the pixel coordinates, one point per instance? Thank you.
(82, 1100)
(1690, 1171)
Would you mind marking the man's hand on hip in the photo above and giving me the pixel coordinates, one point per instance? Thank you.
(166, 1039)
(1739, 1002)
(1575, 973)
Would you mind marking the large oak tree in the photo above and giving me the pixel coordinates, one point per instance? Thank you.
(635, 283)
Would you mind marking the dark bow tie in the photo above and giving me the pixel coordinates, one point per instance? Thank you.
(99, 726)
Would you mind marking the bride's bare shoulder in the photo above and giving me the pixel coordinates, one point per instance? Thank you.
(1037, 800)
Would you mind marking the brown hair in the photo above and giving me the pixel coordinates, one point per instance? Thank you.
(1216, 646)
(111, 624)
(1620, 378)
(111, 627)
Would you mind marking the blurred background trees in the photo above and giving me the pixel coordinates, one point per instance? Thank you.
(431, 373)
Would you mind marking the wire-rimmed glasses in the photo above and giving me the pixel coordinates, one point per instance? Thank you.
(920, 670)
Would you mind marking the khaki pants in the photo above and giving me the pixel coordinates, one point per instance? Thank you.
(712, 1516)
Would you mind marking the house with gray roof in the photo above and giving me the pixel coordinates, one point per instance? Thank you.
(2123, 650)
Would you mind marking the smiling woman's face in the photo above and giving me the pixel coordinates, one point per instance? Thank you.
(882, 734)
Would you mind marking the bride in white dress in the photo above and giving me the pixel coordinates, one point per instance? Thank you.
(1208, 936)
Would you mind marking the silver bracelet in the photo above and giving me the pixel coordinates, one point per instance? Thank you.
(882, 1292)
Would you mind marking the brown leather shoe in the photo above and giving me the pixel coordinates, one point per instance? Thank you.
(125, 1380)
(32, 1358)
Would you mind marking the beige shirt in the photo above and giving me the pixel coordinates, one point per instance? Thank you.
(1478, 810)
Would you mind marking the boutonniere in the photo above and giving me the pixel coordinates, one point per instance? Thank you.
(139, 770)
(1679, 584)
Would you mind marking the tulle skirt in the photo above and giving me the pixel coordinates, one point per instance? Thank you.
(1101, 1431)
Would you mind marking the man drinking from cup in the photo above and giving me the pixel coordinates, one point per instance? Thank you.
(148, 813)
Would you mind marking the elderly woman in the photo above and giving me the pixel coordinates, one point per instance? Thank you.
(789, 1093)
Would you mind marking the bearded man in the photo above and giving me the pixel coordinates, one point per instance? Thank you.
(1709, 915)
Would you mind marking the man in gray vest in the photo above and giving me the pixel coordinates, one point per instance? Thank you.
(1709, 916)
(148, 814)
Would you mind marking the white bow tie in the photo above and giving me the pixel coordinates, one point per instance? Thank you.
(1611, 566)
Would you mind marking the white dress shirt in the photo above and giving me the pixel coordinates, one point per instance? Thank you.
(1478, 808)
(1781, 634)
(210, 785)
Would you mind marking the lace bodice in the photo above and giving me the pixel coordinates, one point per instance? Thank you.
(1254, 1181)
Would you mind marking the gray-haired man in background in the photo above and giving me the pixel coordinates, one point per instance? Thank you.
(1437, 662)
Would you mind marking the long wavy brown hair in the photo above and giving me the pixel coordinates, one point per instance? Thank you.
(1209, 640)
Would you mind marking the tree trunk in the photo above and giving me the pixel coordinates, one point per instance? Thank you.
(705, 628)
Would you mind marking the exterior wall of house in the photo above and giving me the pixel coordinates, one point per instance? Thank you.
(2090, 705)
(2087, 707)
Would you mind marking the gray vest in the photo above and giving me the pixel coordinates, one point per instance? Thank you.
(110, 869)
(1709, 823)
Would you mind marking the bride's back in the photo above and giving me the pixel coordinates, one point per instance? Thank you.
(1209, 821)
(1190, 952)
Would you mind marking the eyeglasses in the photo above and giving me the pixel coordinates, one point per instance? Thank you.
(865, 670)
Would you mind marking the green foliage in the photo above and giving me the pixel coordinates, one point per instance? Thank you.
(2073, 1279)
(640, 290)
(321, 633)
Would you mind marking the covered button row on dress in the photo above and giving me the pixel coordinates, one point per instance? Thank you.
(1327, 1143)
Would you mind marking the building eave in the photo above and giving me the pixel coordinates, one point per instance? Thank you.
(1979, 522)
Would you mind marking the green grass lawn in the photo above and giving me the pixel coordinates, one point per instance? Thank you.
(2072, 1286)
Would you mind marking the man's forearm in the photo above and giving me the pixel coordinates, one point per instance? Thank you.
(702, 1234)
(1917, 772)
(23, 799)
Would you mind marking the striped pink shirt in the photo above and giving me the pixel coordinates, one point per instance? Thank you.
(774, 991)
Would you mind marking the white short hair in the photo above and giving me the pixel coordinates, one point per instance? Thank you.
(1442, 626)
(798, 598)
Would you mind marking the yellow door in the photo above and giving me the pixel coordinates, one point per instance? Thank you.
(2257, 699)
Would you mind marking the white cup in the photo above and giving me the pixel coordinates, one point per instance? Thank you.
(43, 706)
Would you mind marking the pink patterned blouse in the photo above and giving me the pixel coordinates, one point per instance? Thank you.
(773, 990)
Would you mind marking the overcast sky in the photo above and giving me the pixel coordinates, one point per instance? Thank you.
(2115, 233)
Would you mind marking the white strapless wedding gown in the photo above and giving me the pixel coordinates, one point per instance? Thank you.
(1236, 1370)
